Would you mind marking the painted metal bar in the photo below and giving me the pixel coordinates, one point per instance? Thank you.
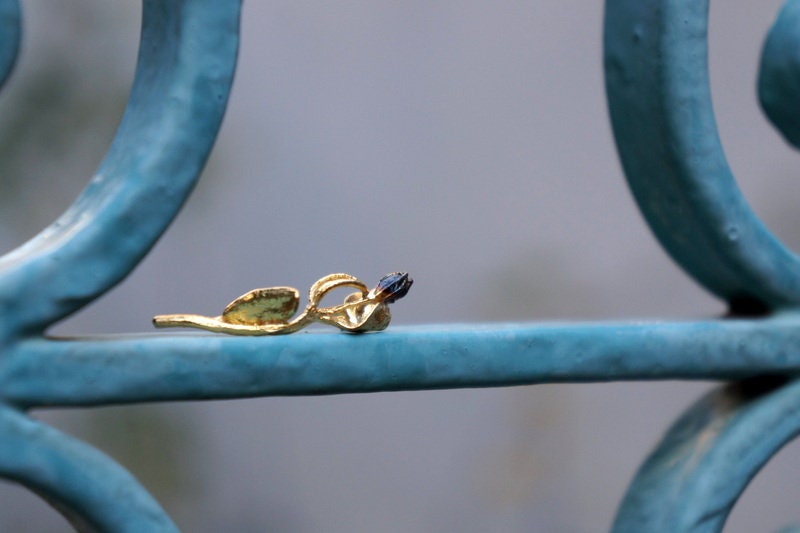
(659, 97)
(183, 78)
(10, 36)
(97, 371)
(93, 492)
(186, 64)
(779, 73)
(660, 103)
(690, 483)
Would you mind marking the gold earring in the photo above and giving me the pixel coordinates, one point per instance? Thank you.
(269, 311)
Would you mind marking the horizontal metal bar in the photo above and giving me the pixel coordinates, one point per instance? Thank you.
(107, 370)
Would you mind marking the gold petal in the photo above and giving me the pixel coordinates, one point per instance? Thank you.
(273, 305)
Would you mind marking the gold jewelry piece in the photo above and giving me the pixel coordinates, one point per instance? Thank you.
(269, 311)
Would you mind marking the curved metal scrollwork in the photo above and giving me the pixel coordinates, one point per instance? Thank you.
(656, 60)
(692, 480)
(657, 82)
(9, 37)
(656, 54)
(183, 78)
(93, 492)
(779, 75)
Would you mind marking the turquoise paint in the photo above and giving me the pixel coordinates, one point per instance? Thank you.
(657, 82)
(660, 105)
(779, 73)
(183, 78)
(10, 35)
(137, 368)
(92, 491)
(694, 477)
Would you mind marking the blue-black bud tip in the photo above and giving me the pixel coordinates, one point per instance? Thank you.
(394, 286)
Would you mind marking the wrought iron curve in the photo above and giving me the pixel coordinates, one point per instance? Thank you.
(9, 37)
(704, 463)
(183, 78)
(657, 81)
(655, 61)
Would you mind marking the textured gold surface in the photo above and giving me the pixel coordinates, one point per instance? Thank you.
(269, 311)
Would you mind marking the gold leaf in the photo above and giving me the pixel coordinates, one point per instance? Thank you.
(273, 305)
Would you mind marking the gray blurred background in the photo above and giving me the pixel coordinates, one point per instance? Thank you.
(464, 141)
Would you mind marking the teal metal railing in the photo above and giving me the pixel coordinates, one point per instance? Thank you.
(658, 89)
